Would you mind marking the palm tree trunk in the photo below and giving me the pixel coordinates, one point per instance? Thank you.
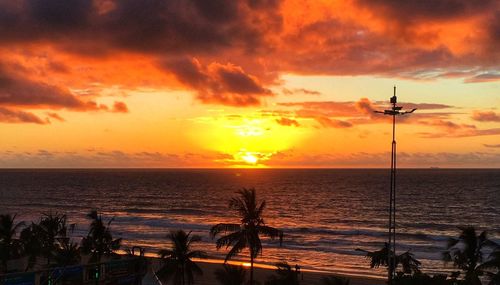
(251, 267)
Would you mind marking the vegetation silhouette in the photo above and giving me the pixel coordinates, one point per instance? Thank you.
(246, 234)
(467, 253)
(9, 245)
(492, 266)
(335, 280)
(31, 245)
(230, 275)
(378, 258)
(99, 241)
(285, 275)
(52, 229)
(177, 263)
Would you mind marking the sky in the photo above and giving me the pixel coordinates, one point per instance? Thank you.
(250, 83)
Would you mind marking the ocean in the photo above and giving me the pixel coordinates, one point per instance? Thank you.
(326, 214)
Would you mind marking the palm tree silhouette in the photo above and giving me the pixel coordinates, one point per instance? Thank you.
(67, 253)
(177, 260)
(99, 241)
(466, 253)
(408, 262)
(247, 233)
(285, 275)
(9, 245)
(230, 275)
(493, 263)
(31, 244)
(51, 229)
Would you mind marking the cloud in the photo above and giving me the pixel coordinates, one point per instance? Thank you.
(56, 117)
(93, 158)
(484, 77)
(382, 159)
(287, 122)
(492, 145)
(332, 123)
(120, 107)
(225, 84)
(241, 47)
(8, 115)
(301, 91)
(24, 92)
(485, 116)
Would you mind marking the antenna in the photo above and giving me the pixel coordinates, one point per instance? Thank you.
(391, 256)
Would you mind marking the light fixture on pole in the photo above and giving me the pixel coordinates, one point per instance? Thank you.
(391, 256)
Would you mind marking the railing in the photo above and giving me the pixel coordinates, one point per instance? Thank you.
(127, 271)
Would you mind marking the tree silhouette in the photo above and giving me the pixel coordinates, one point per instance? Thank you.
(285, 275)
(9, 244)
(380, 257)
(230, 275)
(51, 229)
(466, 253)
(335, 280)
(31, 244)
(67, 253)
(177, 260)
(492, 266)
(99, 241)
(247, 233)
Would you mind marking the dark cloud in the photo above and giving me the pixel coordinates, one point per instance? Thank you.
(225, 84)
(60, 15)
(485, 116)
(8, 115)
(19, 91)
(428, 9)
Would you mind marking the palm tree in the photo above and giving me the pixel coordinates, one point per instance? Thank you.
(99, 240)
(378, 258)
(285, 275)
(9, 245)
(52, 228)
(492, 265)
(67, 253)
(466, 253)
(230, 275)
(247, 233)
(177, 260)
(31, 244)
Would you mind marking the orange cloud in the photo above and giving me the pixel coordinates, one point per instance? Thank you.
(287, 122)
(485, 116)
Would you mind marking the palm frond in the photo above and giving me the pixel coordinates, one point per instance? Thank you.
(223, 228)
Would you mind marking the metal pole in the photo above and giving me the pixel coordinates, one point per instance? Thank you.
(391, 246)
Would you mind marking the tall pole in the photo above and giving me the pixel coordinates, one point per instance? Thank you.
(391, 246)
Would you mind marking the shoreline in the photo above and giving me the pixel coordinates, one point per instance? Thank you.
(264, 271)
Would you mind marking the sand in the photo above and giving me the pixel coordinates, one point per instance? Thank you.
(261, 275)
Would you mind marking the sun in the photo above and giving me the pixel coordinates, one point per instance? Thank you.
(250, 158)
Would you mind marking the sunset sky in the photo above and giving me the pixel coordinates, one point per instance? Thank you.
(254, 83)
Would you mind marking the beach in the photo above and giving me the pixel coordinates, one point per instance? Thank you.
(263, 272)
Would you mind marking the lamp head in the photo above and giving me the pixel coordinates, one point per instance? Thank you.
(394, 99)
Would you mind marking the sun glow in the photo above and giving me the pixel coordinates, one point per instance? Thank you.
(247, 139)
(250, 158)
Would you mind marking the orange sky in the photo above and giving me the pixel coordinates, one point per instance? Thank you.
(255, 83)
